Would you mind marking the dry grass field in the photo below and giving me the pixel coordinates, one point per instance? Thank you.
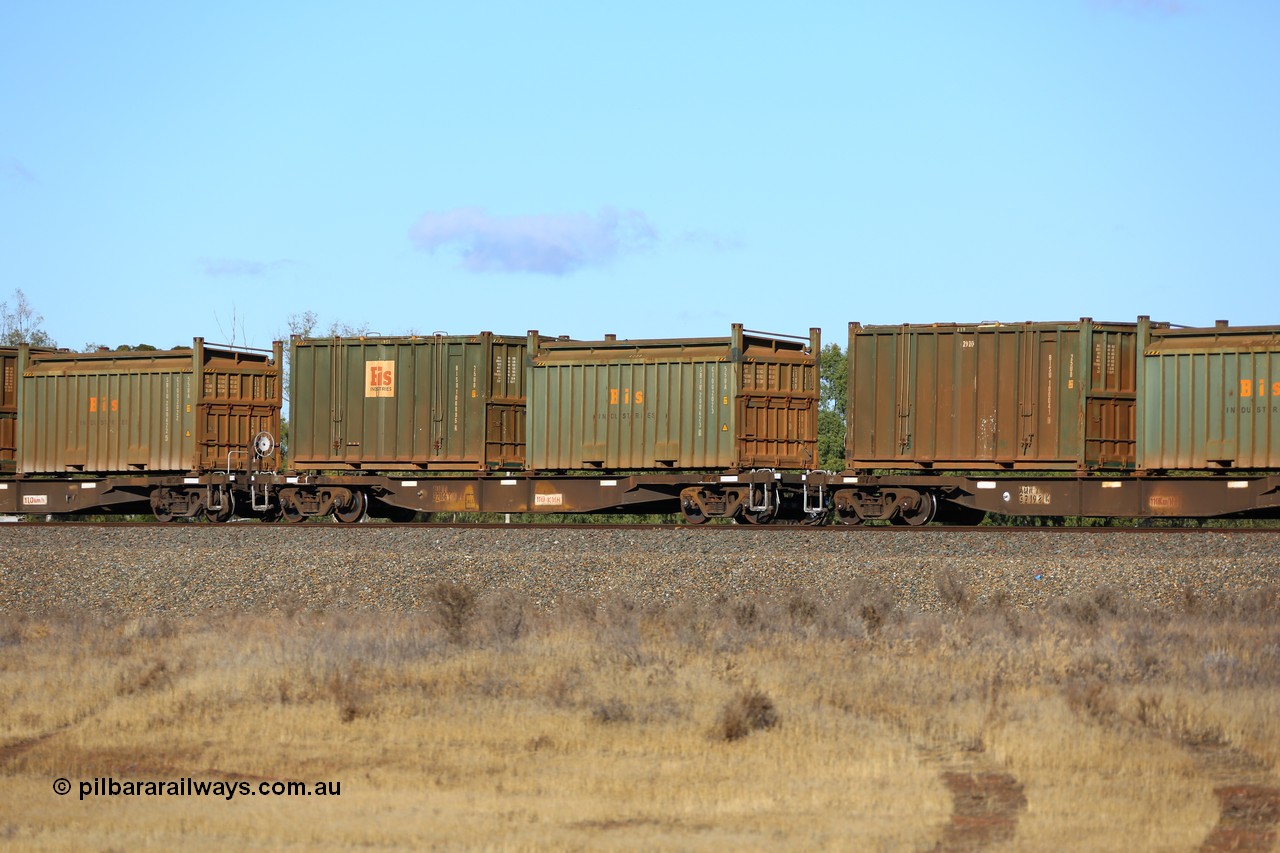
(484, 723)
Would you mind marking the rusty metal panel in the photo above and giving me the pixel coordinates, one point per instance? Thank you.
(749, 400)
(1210, 398)
(992, 395)
(185, 410)
(8, 408)
(412, 403)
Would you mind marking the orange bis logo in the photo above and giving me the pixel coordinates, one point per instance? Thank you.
(627, 397)
(1251, 387)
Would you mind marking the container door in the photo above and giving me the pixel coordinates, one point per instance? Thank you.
(777, 414)
(9, 410)
(1110, 406)
(505, 409)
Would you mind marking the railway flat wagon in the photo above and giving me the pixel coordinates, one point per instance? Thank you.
(438, 402)
(993, 396)
(1210, 399)
(163, 411)
(746, 401)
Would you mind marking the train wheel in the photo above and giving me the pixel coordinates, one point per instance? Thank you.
(847, 515)
(223, 515)
(289, 512)
(352, 512)
(693, 513)
(763, 516)
(161, 506)
(923, 512)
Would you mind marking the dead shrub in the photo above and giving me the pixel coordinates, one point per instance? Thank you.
(505, 618)
(1091, 608)
(1093, 698)
(540, 743)
(746, 614)
(346, 686)
(749, 711)
(1148, 711)
(872, 620)
(12, 629)
(952, 591)
(455, 605)
(1261, 605)
(802, 610)
(151, 675)
(612, 711)
(563, 687)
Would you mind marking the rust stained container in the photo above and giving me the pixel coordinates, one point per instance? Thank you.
(992, 396)
(189, 411)
(407, 403)
(1210, 398)
(749, 400)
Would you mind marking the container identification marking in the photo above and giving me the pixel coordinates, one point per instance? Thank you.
(1034, 495)
(1254, 394)
(379, 378)
(1251, 388)
(627, 396)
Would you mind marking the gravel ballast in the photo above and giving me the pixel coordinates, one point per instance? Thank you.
(195, 568)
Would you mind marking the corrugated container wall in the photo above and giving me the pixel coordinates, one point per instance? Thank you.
(171, 411)
(1210, 399)
(749, 400)
(990, 396)
(407, 403)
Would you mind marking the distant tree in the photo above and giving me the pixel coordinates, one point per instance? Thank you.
(833, 397)
(21, 324)
(92, 347)
(304, 325)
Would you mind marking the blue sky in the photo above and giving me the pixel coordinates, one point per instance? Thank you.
(650, 170)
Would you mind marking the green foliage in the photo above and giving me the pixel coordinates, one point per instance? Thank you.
(834, 394)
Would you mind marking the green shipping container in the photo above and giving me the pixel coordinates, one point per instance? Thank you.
(164, 411)
(407, 403)
(749, 400)
(1210, 399)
